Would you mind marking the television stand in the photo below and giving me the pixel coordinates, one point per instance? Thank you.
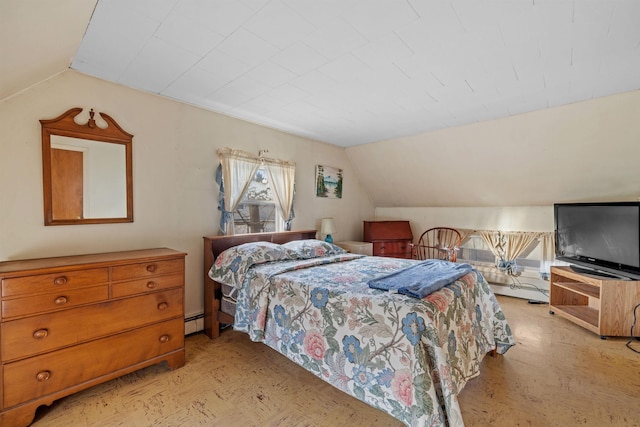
(601, 305)
(593, 272)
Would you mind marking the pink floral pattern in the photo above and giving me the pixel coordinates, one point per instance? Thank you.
(314, 344)
(402, 387)
(405, 356)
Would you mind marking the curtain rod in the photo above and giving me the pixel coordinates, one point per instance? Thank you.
(230, 152)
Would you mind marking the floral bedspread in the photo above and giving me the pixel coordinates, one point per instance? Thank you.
(408, 357)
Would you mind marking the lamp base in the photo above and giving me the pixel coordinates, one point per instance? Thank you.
(328, 239)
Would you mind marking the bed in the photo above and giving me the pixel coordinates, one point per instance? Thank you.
(311, 301)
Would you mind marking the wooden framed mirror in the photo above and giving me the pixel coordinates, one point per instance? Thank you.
(86, 171)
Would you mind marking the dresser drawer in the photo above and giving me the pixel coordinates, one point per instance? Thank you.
(398, 248)
(58, 301)
(141, 286)
(42, 375)
(37, 334)
(52, 282)
(146, 269)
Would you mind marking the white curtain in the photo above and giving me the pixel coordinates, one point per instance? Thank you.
(465, 233)
(548, 254)
(282, 180)
(507, 246)
(238, 169)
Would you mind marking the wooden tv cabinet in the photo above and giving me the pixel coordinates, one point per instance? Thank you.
(601, 305)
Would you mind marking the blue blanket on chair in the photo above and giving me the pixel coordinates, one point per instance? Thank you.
(420, 280)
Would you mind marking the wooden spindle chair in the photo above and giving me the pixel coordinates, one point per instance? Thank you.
(438, 243)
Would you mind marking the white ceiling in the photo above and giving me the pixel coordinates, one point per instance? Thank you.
(349, 72)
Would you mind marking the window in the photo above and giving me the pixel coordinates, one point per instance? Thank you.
(476, 251)
(256, 193)
(257, 211)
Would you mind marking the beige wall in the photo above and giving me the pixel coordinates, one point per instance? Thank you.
(174, 161)
(579, 152)
(507, 218)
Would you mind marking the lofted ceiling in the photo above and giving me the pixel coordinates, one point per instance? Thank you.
(346, 72)
(354, 72)
(350, 72)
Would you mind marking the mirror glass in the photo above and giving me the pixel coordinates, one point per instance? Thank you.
(86, 171)
(96, 187)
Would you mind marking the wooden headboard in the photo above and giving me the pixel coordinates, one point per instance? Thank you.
(214, 246)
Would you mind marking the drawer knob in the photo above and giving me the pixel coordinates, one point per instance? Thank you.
(60, 281)
(61, 300)
(151, 268)
(43, 376)
(163, 306)
(151, 285)
(164, 338)
(40, 333)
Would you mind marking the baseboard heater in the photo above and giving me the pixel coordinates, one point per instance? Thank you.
(192, 318)
(194, 324)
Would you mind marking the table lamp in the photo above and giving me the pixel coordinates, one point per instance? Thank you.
(327, 228)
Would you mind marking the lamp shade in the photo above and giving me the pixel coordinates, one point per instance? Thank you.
(327, 227)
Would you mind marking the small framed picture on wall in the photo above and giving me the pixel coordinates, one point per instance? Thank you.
(328, 182)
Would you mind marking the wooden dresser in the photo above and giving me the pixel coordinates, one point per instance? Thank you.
(69, 323)
(389, 238)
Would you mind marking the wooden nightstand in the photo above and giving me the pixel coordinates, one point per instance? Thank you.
(363, 248)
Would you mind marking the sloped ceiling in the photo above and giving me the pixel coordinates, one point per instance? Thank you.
(39, 39)
(353, 72)
(346, 72)
(574, 153)
(350, 72)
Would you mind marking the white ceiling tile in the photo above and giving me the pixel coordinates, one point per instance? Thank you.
(223, 65)
(229, 97)
(473, 15)
(288, 93)
(434, 10)
(187, 34)
(618, 72)
(271, 74)
(247, 86)
(221, 16)
(420, 64)
(345, 68)
(321, 12)
(157, 65)
(313, 82)
(268, 22)
(157, 10)
(381, 18)
(194, 84)
(262, 105)
(255, 5)
(558, 88)
(334, 39)
(247, 47)
(382, 52)
(299, 58)
(112, 40)
(419, 38)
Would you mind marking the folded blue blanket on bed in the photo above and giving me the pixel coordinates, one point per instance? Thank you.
(420, 280)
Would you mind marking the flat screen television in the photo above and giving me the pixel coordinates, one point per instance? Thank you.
(601, 238)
